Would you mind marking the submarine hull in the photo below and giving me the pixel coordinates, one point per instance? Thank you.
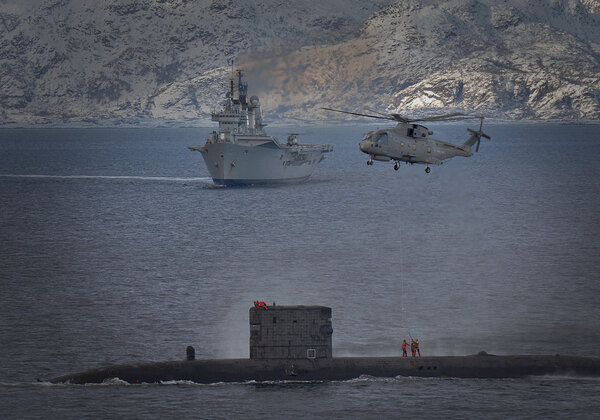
(341, 368)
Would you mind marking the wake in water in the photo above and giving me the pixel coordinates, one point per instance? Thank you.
(143, 178)
(295, 383)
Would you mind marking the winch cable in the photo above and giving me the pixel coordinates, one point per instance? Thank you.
(402, 317)
(402, 300)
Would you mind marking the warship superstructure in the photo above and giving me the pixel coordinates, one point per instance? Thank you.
(241, 153)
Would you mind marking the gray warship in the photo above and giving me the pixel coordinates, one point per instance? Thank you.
(241, 153)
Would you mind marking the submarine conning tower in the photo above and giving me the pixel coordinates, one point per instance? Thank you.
(290, 332)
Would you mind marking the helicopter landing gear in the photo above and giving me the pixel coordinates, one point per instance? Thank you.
(427, 169)
(396, 166)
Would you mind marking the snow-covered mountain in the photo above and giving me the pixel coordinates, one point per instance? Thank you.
(535, 59)
(71, 60)
(132, 61)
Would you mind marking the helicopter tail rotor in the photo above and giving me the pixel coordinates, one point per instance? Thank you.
(476, 136)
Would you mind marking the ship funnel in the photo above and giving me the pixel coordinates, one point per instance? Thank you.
(251, 118)
(253, 107)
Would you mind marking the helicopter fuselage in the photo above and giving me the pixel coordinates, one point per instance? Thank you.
(409, 143)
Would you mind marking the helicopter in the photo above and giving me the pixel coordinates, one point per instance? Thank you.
(410, 143)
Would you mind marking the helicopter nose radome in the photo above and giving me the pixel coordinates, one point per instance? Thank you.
(363, 146)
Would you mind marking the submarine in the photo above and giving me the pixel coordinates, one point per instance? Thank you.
(294, 343)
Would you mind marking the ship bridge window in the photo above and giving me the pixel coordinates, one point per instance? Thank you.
(381, 138)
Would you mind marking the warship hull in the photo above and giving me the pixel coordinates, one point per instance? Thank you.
(341, 368)
(238, 164)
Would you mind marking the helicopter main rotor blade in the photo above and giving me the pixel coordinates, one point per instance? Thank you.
(377, 112)
(438, 117)
(457, 116)
(448, 117)
(399, 118)
(360, 115)
(466, 117)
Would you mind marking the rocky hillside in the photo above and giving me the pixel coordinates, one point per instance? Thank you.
(131, 60)
(151, 61)
(532, 59)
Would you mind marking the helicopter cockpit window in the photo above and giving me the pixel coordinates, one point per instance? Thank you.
(381, 138)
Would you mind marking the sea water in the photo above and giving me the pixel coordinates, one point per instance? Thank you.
(116, 247)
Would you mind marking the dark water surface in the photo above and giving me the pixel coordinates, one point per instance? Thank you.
(115, 247)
